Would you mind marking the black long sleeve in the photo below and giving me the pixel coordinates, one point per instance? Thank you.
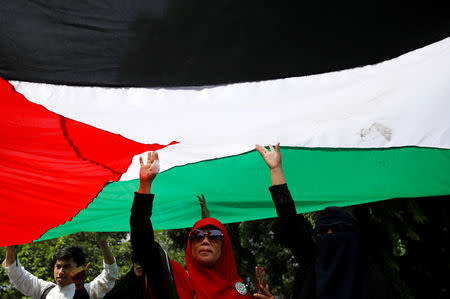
(297, 234)
(293, 224)
(142, 236)
(145, 248)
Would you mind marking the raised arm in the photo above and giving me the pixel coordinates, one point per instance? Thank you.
(272, 158)
(101, 239)
(146, 250)
(22, 280)
(202, 202)
(10, 255)
(105, 281)
(142, 236)
(295, 228)
(148, 172)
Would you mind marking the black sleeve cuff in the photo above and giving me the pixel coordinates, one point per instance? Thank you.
(283, 200)
(142, 203)
(140, 196)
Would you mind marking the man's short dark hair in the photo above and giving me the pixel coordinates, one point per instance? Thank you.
(71, 252)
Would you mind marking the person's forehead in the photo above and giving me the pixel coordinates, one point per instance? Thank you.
(208, 227)
(65, 262)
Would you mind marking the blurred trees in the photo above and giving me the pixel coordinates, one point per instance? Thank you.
(407, 242)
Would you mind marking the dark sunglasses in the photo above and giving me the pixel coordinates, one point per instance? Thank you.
(199, 235)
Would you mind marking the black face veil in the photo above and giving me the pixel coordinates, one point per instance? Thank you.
(341, 261)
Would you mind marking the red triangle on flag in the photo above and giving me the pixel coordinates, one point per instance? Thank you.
(51, 167)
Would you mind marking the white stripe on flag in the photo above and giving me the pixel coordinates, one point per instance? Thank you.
(401, 102)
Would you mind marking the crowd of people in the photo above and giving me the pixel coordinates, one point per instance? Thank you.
(332, 260)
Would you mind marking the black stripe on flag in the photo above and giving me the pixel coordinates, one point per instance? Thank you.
(202, 42)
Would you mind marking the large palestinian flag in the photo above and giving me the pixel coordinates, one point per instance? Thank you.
(359, 98)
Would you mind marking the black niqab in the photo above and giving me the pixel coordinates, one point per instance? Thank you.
(341, 262)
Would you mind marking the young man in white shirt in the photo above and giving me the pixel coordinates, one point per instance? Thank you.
(66, 261)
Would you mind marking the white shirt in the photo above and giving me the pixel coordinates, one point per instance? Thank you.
(30, 285)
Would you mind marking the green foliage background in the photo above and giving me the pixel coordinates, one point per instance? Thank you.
(407, 242)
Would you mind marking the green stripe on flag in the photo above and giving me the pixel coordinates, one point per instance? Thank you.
(236, 188)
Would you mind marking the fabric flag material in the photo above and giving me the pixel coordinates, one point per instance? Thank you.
(357, 94)
(196, 43)
(51, 166)
(348, 137)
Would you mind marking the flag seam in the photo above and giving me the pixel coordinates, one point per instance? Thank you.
(76, 149)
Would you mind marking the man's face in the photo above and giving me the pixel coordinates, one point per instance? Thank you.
(207, 251)
(62, 270)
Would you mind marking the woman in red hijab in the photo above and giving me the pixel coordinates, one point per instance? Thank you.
(210, 262)
(211, 269)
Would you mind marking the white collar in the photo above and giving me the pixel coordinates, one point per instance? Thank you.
(66, 288)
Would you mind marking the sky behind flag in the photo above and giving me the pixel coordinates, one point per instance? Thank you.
(358, 97)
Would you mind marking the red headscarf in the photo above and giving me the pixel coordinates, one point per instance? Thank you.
(221, 280)
(182, 283)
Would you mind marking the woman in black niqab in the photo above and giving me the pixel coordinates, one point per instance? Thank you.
(341, 260)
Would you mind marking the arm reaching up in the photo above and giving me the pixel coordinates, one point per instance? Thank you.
(272, 158)
(10, 255)
(142, 236)
(104, 282)
(146, 250)
(296, 230)
(101, 238)
(148, 172)
(202, 201)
